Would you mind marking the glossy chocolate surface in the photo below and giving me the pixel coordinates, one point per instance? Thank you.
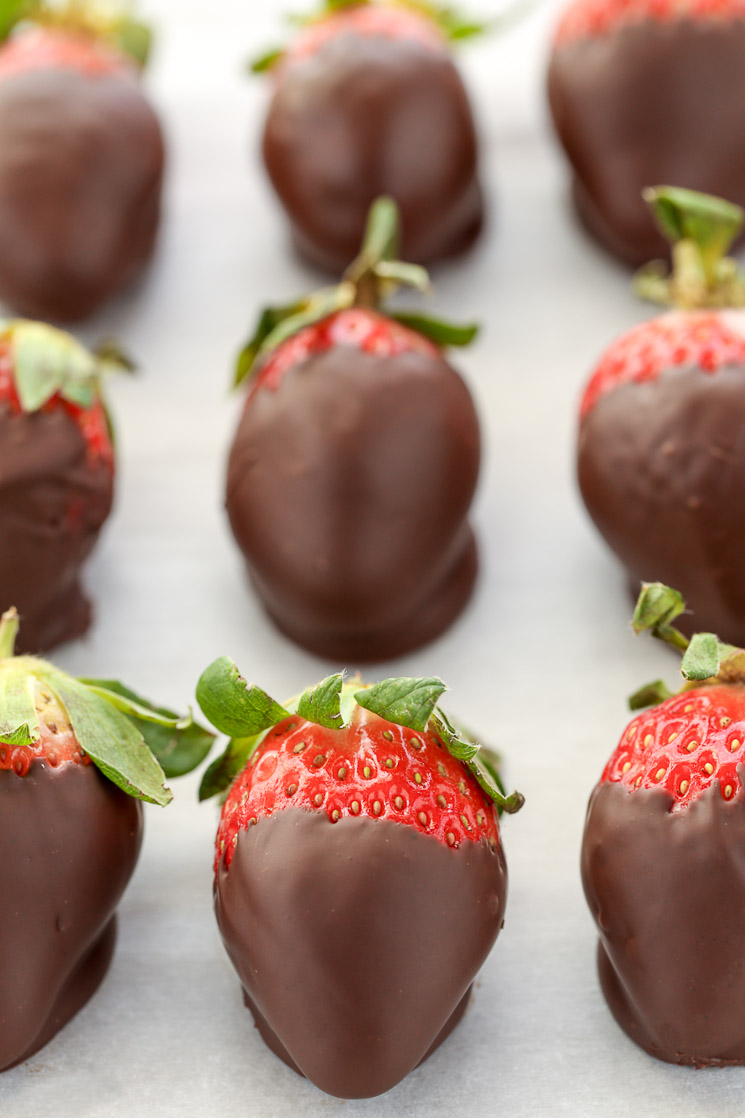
(53, 501)
(348, 492)
(70, 841)
(366, 116)
(662, 472)
(356, 942)
(646, 105)
(81, 166)
(667, 891)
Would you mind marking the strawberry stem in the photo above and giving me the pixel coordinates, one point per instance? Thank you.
(9, 624)
(701, 229)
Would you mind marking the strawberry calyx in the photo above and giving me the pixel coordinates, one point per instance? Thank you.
(706, 660)
(246, 714)
(372, 278)
(135, 744)
(701, 229)
(431, 24)
(84, 20)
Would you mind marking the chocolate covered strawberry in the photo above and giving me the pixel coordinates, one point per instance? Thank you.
(646, 91)
(661, 457)
(662, 861)
(81, 157)
(366, 101)
(76, 758)
(56, 476)
(354, 466)
(360, 879)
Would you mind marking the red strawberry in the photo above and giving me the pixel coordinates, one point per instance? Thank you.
(661, 460)
(355, 418)
(368, 101)
(662, 859)
(645, 91)
(56, 476)
(359, 876)
(81, 159)
(76, 757)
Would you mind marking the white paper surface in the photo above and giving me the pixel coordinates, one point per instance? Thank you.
(540, 664)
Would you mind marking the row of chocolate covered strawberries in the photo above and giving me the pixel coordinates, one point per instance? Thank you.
(377, 429)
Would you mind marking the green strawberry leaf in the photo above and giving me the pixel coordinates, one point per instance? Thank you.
(442, 333)
(235, 707)
(656, 605)
(403, 700)
(47, 361)
(135, 39)
(322, 704)
(110, 739)
(179, 744)
(460, 746)
(482, 763)
(266, 61)
(401, 274)
(701, 658)
(11, 13)
(19, 722)
(650, 695)
(269, 319)
(224, 769)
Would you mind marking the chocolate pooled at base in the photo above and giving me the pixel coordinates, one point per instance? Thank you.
(366, 116)
(322, 978)
(646, 103)
(672, 974)
(54, 498)
(70, 840)
(348, 492)
(81, 168)
(661, 467)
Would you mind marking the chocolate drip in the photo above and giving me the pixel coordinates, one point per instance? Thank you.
(53, 501)
(81, 167)
(366, 116)
(348, 491)
(356, 942)
(667, 891)
(70, 840)
(650, 104)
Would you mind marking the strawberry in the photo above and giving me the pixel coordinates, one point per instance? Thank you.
(662, 853)
(355, 418)
(76, 759)
(645, 91)
(56, 475)
(360, 879)
(81, 157)
(353, 96)
(660, 457)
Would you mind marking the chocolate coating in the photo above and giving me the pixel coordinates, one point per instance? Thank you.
(81, 167)
(53, 500)
(70, 840)
(348, 491)
(662, 471)
(667, 891)
(356, 942)
(645, 105)
(366, 116)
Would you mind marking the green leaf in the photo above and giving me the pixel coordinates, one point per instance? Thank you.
(401, 274)
(47, 361)
(710, 222)
(656, 605)
(650, 695)
(135, 39)
(701, 659)
(322, 704)
(269, 319)
(110, 354)
(403, 700)
(19, 722)
(223, 771)
(235, 707)
(437, 330)
(380, 241)
(480, 762)
(11, 13)
(110, 739)
(266, 61)
(178, 743)
(459, 746)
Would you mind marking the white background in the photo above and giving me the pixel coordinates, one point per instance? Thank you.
(540, 663)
